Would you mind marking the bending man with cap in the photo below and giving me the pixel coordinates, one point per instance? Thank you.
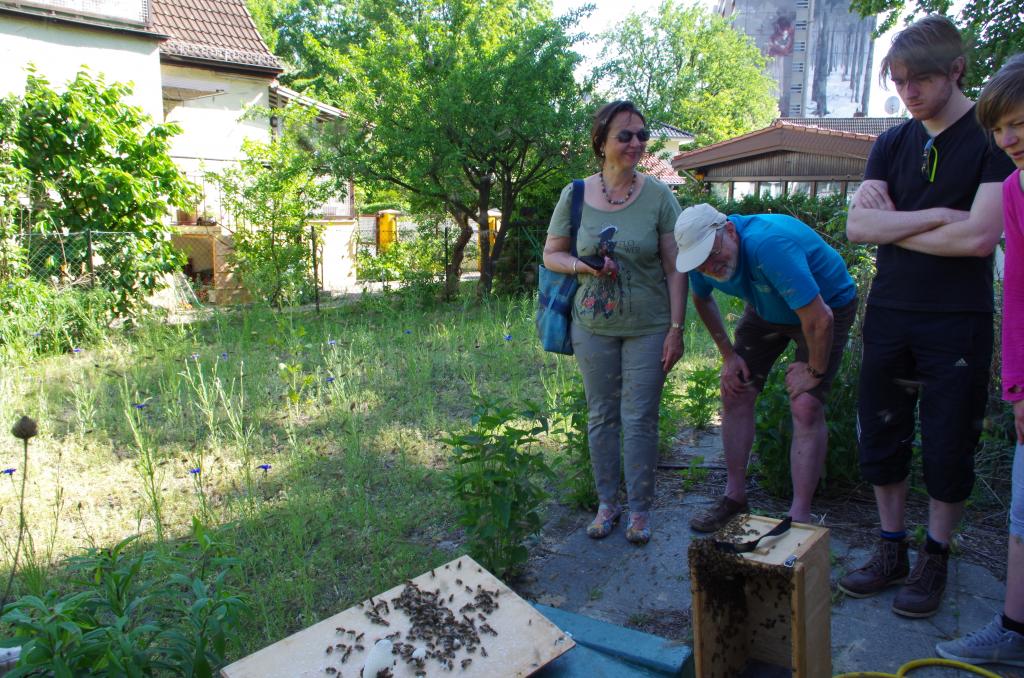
(796, 288)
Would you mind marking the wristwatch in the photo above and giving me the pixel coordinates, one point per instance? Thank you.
(814, 373)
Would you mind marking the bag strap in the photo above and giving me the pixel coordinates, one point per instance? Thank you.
(576, 212)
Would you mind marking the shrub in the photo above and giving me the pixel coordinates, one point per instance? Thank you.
(569, 412)
(97, 163)
(701, 396)
(272, 196)
(130, 615)
(496, 483)
(417, 265)
(39, 318)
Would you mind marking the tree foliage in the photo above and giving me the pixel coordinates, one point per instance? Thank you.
(273, 194)
(688, 67)
(462, 104)
(95, 163)
(991, 29)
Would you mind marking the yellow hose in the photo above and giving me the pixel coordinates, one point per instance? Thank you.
(920, 663)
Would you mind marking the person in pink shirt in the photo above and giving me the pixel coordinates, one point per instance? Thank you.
(1000, 110)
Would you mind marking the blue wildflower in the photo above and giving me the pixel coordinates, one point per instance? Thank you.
(330, 380)
(194, 356)
(76, 350)
(37, 334)
(9, 471)
(224, 355)
(264, 467)
(138, 406)
(508, 337)
(195, 471)
(408, 331)
(332, 342)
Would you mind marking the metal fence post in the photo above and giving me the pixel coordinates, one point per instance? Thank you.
(316, 276)
(88, 254)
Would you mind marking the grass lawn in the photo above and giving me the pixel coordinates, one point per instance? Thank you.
(308, 445)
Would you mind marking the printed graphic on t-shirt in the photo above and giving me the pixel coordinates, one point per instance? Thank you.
(607, 294)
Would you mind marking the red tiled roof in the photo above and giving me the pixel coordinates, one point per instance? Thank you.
(659, 169)
(212, 30)
(873, 126)
(781, 125)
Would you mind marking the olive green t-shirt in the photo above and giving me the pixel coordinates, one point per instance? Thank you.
(636, 301)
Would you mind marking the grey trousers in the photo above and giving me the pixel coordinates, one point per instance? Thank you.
(622, 377)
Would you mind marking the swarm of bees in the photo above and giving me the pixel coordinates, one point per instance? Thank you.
(435, 631)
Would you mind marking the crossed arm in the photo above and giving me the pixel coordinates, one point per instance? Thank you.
(939, 231)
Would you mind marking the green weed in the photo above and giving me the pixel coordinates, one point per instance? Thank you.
(496, 483)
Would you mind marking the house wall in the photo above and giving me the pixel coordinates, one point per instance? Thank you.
(215, 130)
(338, 252)
(59, 50)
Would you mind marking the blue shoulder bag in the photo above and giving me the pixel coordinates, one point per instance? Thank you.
(556, 290)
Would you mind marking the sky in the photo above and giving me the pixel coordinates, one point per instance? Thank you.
(610, 12)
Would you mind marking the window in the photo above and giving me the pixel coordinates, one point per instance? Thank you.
(851, 188)
(720, 190)
(800, 187)
(741, 189)
(826, 188)
(770, 189)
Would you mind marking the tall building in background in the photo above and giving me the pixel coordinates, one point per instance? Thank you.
(819, 52)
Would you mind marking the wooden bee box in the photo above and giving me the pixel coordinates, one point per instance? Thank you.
(520, 640)
(772, 604)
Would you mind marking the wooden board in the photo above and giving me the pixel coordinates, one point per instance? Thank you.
(526, 640)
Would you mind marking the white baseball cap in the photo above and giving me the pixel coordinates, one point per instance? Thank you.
(695, 235)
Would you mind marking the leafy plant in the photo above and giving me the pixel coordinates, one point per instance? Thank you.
(569, 412)
(670, 415)
(417, 265)
(273, 195)
(496, 483)
(132, 615)
(99, 164)
(37, 318)
(701, 397)
(695, 474)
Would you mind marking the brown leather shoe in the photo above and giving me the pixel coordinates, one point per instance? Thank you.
(922, 594)
(888, 566)
(716, 517)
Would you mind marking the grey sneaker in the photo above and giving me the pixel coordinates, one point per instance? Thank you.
(991, 644)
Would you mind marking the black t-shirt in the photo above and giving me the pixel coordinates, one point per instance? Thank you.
(913, 281)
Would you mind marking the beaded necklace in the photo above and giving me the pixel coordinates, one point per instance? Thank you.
(604, 190)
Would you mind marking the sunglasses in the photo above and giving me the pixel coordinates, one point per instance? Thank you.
(929, 160)
(625, 136)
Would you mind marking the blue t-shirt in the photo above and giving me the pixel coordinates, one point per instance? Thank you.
(783, 264)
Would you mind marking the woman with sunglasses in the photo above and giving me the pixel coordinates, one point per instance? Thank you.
(627, 314)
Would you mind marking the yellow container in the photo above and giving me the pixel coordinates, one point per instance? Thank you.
(493, 218)
(387, 229)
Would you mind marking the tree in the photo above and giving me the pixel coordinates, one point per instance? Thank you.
(991, 29)
(13, 185)
(688, 67)
(96, 163)
(465, 105)
(272, 195)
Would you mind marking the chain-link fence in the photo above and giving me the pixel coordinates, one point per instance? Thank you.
(90, 259)
(71, 258)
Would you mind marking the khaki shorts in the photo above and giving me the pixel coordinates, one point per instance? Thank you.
(760, 343)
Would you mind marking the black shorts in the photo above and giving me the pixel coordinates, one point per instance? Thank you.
(938, 363)
(760, 343)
